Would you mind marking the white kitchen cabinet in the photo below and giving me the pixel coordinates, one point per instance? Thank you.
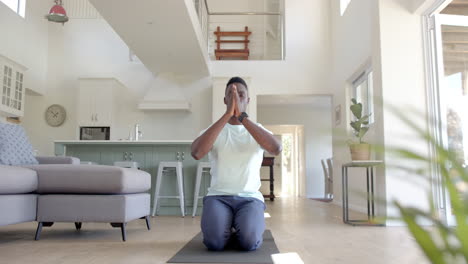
(12, 91)
(96, 105)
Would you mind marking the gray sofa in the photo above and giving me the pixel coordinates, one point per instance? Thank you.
(58, 189)
(18, 186)
(18, 201)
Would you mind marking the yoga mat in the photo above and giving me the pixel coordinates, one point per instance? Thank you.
(195, 252)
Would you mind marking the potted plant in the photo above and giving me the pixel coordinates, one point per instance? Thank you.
(360, 150)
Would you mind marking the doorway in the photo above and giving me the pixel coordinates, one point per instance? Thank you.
(304, 123)
(289, 165)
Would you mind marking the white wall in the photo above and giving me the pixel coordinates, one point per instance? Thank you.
(273, 40)
(25, 41)
(387, 35)
(90, 48)
(354, 46)
(317, 122)
(403, 86)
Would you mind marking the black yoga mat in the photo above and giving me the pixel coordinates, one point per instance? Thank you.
(195, 252)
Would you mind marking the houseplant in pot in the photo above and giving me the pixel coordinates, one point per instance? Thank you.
(360, 150)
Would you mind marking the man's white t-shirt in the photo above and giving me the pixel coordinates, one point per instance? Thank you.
(235, 163)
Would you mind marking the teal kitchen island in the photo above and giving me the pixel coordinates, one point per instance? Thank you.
(148, 153)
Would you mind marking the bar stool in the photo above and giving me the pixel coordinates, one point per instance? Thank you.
(203, 167)
(162, 170)
(127, 164)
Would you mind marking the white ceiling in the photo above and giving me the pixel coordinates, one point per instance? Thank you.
(161, 33)
(455, 40)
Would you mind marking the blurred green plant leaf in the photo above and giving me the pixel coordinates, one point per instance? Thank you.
(363, 131)
(423, 238)
(452, 242)
(356, 109)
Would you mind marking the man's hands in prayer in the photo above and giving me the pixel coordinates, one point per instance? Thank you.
(233, 105)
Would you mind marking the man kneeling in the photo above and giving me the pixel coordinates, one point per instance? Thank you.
(233, 210)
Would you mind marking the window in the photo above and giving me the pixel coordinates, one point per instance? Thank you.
(344, 5)
(19, 6)
(362, 90)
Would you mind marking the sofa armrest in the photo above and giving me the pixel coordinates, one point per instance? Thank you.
(57, 160)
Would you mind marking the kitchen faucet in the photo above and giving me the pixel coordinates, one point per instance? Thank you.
(138, 133)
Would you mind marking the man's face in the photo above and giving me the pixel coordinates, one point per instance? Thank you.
(244, 98)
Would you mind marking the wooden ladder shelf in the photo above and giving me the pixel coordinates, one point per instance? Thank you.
(232, 53)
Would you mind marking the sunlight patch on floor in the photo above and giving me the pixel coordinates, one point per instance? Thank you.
(287, 258)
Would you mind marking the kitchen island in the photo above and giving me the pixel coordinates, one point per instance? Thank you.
(148, 153)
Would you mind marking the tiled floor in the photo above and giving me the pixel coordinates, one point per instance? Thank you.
(312, 229)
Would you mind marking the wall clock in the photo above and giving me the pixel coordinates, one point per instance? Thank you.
(55, 115)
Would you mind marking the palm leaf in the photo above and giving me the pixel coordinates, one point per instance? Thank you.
(423, 237)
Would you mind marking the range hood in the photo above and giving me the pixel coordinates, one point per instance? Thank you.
(164, 93)
(148, 105)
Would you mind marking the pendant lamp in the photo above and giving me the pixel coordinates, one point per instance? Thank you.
(57, 13)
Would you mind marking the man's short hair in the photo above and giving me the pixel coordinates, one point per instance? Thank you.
(237, 80)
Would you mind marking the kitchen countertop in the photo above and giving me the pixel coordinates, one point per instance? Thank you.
(130, 142)
(62, 146)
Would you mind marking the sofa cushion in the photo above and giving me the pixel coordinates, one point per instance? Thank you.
(15, 148)
(90, 179)
(16, 180)
(57, 160)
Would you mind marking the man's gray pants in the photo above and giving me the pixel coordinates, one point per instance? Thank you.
(232, 219)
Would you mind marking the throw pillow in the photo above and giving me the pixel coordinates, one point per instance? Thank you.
(15, 148)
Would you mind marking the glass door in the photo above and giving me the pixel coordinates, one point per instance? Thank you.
(450, 49)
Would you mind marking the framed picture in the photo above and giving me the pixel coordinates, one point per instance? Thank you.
(338, 115)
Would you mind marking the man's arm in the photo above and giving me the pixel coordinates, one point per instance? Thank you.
(266, 140)
(203, 144)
